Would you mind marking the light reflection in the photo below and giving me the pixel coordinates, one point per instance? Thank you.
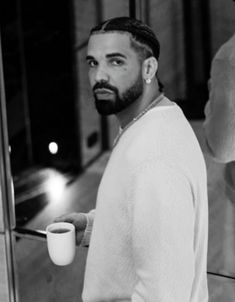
(53, 147)
(55, 186)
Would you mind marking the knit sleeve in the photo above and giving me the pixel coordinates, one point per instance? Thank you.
(87, 234)
(219, 123)
(162, 234)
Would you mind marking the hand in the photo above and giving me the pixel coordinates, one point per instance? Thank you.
(78, 220)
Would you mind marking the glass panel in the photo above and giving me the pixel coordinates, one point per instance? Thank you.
(54, 130)
(221, 248)
(49, 101)
(39, 83)
(221, 289)
(40, 99)
(85, 15)
(49, 282)
(221, 257)
(54, 194)
(41, 281)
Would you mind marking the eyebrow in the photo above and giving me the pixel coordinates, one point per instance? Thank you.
(89, 58)
(115, 54)
(110, 55)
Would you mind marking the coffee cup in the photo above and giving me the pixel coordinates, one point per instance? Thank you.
(61, 242)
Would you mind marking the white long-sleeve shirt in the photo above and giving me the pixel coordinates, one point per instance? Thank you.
(149, 238)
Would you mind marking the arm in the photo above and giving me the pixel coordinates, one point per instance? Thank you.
(163, 235)
(83, 223)
(219, 124)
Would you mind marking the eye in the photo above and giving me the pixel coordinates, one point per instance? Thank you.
(92, 63)
(116, 62)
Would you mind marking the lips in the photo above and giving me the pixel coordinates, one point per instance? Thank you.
(103, 93)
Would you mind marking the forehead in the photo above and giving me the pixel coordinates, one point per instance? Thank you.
(111, 42)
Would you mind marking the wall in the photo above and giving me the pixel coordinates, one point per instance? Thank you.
(222, 22)
(85, 16)
(170, 32)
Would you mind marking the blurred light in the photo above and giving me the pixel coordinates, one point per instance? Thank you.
(53, 148)
(9, 149)
(55, 186)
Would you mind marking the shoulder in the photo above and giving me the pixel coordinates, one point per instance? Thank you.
(161, 133)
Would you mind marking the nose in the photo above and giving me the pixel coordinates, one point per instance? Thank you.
(101, 74)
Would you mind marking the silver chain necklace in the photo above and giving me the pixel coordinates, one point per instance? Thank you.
(150, 106)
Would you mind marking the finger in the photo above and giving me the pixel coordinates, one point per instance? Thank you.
(64, 218)
(77, 219)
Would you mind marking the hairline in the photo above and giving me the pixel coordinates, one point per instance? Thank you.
(139, 47)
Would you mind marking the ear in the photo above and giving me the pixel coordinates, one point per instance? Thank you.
(150, 67)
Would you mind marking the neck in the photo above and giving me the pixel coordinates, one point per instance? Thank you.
(126, 116)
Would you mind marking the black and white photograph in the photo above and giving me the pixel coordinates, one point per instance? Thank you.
(117, 151)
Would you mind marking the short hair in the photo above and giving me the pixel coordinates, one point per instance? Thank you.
(143, 39)
(140, 31)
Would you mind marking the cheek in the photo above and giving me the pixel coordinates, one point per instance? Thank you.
(126, 75)
(91, 78)
(130, 76)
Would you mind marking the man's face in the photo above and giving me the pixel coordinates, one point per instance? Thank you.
(114, 72)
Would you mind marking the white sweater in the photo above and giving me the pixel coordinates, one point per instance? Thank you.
(149, 238)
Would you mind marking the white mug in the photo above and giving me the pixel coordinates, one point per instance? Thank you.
(61, 242)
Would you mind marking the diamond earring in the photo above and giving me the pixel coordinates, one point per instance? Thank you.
(148, 81)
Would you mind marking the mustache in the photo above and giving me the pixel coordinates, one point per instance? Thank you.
(103, 85)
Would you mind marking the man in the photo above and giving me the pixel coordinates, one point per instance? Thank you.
(219, 123)
(149, 230)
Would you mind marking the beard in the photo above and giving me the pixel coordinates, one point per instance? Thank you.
(116, 103)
